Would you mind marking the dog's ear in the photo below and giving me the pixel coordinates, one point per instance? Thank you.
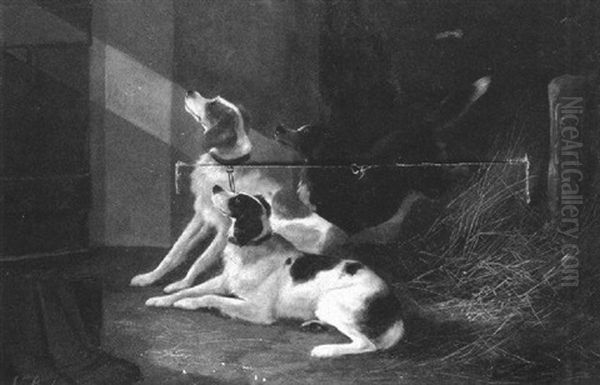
(246, 228)
(264, 203)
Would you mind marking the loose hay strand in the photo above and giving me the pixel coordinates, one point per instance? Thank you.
(497, 269)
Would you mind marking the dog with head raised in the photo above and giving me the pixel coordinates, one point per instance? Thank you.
(228, 141)
(265, 278)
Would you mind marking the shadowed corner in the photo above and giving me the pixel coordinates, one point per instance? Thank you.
(429, 339)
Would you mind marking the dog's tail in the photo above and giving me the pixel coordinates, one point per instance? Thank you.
(381, 319)
(453, 108)
(456, 105)
(391, 336)
(431, 135)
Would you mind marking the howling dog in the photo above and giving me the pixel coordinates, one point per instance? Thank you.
(265, 278)
(230, 141)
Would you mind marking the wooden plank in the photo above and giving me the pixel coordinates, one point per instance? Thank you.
(29, 22)
(38, 233)
(45, 122)
(44, 102)
(567, 96)
(49, 194)
(2, 133)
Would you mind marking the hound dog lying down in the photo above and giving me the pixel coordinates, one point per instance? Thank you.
(266, 278)
(230, 141)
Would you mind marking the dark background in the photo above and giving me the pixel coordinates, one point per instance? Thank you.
(375, 64)
(372, 63)
(92, 122)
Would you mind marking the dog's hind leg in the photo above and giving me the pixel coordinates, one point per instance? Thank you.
(208, 257)
(335, 310)
(212, 286)
(360, 344)
(196, 230)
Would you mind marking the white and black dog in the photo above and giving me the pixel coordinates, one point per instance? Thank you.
(230, 141)
(265, 278)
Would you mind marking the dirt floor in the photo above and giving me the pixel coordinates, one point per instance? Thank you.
(174, 346)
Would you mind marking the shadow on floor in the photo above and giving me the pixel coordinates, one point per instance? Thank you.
(174, 346)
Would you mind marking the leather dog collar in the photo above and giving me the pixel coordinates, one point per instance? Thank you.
(230, 162)
(254, 242)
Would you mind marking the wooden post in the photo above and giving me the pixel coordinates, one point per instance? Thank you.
(567, 96)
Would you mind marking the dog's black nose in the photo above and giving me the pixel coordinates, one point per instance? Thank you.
(190, 93)
(280, 129)
(217, 189)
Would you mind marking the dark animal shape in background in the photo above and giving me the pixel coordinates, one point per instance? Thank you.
(375, 201)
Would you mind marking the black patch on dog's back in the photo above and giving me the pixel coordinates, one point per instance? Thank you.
(380, 313)
(352, 267)
(308, 266)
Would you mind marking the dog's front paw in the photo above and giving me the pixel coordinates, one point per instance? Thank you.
(162, 301)
(143, 280)
(176, 286)
(189, 303)
(324, 351)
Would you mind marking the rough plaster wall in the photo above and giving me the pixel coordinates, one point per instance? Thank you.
(265, 55)
(262, 54)
(130, 76)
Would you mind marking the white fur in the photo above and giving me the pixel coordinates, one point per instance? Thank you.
(256, 286)
(207, 220)
(311, 234)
